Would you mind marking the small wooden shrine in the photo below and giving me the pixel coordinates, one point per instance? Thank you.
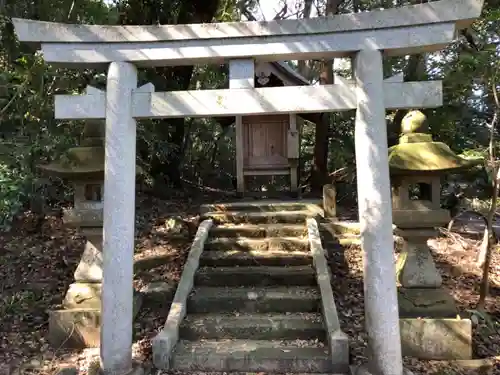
(271, 143)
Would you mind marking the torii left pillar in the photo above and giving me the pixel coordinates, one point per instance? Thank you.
(375, 216)
(119, 221)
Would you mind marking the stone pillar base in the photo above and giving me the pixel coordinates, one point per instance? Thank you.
(77, 324)
(415, 266)
(364, 370)
(430, 327)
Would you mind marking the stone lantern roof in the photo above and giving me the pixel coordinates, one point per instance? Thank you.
(417, 153)
(85, 162)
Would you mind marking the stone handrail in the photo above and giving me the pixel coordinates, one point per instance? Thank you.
(167, 338)
(337, 340)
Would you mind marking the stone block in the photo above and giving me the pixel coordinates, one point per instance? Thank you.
(426, 303)
(158, 294)
(330, 201)
(416, 267)
(78, 328)
(83, 295)
(75, 328)
(255, 276)
(420, 219)
(436, 339)
(364, 370)
(90, 267)
(291, 326)
(287, 244)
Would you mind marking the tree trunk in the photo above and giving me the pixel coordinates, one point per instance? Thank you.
(484, 257)
(170, 78)
(301, 65)
(319, 172)
(415, 71)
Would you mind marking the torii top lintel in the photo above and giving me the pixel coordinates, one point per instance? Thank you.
(397, 31)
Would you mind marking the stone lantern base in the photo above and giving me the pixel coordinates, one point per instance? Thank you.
(429, 322)
(77, 323)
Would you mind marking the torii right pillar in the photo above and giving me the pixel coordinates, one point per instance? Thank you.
(375, 216)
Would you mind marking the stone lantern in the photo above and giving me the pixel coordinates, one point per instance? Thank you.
(416, 165)
(77, 323)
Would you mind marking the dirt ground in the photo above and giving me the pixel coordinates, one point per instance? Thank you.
(36, 268)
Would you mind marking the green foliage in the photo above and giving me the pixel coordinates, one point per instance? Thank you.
(28, 85)
(13, 191)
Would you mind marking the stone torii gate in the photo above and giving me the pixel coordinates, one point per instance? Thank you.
(364, 37)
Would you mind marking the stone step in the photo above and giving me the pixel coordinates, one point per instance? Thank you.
(254, 300)
(255, 258)
(258, 231)
(255, 276)
(314, 205)
(297, 326)
(252, 356)
(339, 227)
(276, 217)
(345, 240)
(261, 244)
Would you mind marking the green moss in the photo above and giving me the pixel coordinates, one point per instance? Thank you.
(427, 156)
(79, 162)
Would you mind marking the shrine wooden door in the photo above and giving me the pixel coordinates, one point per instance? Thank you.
(265, 142)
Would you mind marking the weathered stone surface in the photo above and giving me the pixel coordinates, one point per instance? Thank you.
(79, 327)
(150, 262)
(364, 370)
(287, 244)
(241, 217)
(158, 294)
(461, 12)
(76, 328)
(238, 258)
(252, 356)
(83, 295)
(330, 201)
(138, 368)
(337, 340)
(436, 338)
(83, 218)
(271, 244)
(255, 276)
(67, 370)
(164, 342)
(375, 212)
(244, 244)
(340, 227)
(90, 267)
(255, 231)
(420, 219)
(303, 326)
(242, 230)
(264, 205)
(254, 300)
(426, 303)
(416, 267)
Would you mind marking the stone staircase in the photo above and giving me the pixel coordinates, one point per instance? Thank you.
(256, 305)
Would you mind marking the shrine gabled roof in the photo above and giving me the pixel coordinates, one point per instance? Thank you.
(291, 73)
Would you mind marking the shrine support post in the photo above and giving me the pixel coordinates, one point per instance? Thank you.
(119, 220)
(375, 215)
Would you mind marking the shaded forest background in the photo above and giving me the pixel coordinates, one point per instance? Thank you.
(176, 153)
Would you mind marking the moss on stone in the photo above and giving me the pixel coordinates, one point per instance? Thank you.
(427, 157)
(78, 163)
(414, 122)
